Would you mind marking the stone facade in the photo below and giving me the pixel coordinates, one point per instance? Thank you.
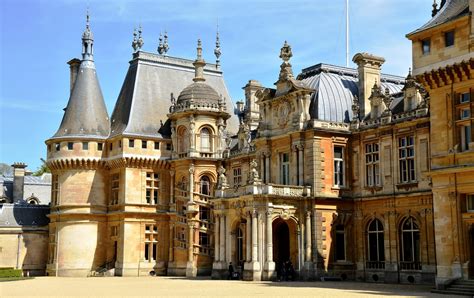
(344, 173)
(443, 61)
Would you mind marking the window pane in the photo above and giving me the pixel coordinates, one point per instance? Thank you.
(449, 38)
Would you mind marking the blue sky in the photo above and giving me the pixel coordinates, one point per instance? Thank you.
(38, 37)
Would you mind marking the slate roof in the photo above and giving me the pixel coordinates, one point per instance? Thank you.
(335, 88)
(17, 215)
(85, 114)
(145, 96)
(451, 10)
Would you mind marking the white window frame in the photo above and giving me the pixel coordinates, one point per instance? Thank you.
(466, 138)
(372, 164)
(470, 203)
(285, 168)
(406, 159)
(339, 168)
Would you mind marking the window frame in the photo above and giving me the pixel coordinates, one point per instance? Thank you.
(150, 251)
(415, 250)
(447, 38)
(152, 188)
(339, 171)
(406, 162)
(372, 164)
(337, 242)
(237, 176)
(285, 168)
(426, 46)
(378, 233)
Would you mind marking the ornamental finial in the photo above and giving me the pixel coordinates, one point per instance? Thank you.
(87, 40)
(285, 52)
(160, 45)
(435, 9)
(199, 64)
(165, 43)
(135, 40)
(217, 50)
(140, 42)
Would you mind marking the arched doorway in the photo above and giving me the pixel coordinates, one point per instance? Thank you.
(281, 241)
(471, 251)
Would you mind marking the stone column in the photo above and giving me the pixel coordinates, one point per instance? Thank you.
(216, 238)
(262, 167)
(172, 172)
(191, 269)
(308, 237)
(269, 264)
(222, 239)
(248, 237)
(267, 168)
(254, 236)
(191, 183)
(300, 164)
(296, 166)
(171, 245)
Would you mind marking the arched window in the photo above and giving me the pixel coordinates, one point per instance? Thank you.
(32, 200)
(375, 241)
(410, 241)
(182, 140)
(205, 140)
(205, 186)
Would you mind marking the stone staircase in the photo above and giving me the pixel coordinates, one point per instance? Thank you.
(458, 287)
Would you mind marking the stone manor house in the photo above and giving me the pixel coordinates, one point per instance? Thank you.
(345, 172)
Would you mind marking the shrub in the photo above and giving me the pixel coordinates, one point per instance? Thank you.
(10, 272)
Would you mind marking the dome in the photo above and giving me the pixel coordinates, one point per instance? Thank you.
(200, 94)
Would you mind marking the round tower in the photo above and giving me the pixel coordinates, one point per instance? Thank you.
(198, 123)
(75, 156)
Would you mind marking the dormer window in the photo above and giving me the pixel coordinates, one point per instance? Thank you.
(449, 38)
(426, 46)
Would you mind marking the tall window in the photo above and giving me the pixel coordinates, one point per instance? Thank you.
(151, 242)
(205, 140)
(237, 176)
(406, 156)
(204, 213)
(114, 188)
(470, 203)
(54, 190)
(240, 246)
(466, 135)
(182, 140)
(410, 241)
(372, 167)
(426, 46)
(152, 188)
(449, 38)
(203, 239)
(285, 168)
(375, 241)
(340, 245)
(338, 166)
(205, 186)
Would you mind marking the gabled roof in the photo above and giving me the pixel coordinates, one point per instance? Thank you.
(145, 97)
(85, 114)
(451, 10)
(336, 87)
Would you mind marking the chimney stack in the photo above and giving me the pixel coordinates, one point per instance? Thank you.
(251, 106)
(73, 69)
(368, 66)
(19, 170)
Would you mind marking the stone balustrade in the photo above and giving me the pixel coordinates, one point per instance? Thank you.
(265, 189)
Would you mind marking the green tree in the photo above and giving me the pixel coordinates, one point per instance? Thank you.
(43, 168)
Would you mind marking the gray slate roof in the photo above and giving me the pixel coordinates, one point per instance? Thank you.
(335, 89)
(16, 215)
(145, 96)
(86, 114)
(452, 10)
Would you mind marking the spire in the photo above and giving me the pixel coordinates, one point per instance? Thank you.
(217, 50)
(135, 40)
(87, 42)
(85, 114)
(199, 64)
(435, 8)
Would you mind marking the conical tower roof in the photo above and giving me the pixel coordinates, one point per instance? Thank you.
(86, 114)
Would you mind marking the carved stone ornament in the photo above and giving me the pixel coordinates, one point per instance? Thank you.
(283, 114)
(253, 175)
(222, 184)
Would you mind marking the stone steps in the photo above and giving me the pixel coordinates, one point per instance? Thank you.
(459, 287)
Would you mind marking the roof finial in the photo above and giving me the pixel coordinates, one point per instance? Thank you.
(199, 64)
(217, 50)
(160, 45)
(286, 71)
(87, 41)
(435, 9)
(165, 43)
(140, 42)
(135, 40)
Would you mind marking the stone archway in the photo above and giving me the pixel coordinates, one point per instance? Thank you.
(285, 242)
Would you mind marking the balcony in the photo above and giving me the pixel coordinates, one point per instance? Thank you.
(375, 265)
(293, 191)
(410, 266)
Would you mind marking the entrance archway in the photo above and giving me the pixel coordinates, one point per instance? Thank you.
(281, 241)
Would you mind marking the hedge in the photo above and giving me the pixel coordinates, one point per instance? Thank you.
(10, 272)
